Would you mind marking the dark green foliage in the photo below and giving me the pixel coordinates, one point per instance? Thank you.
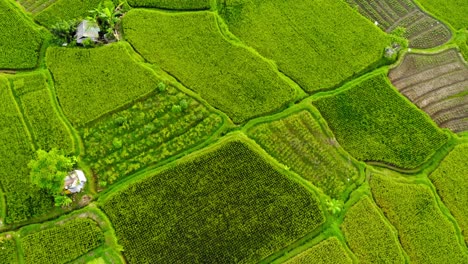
(374, 123)
(48, 169)
(66, 10)
(92, 82)
(319, 44)
(425, 233)
(20, 42)
(226, 206)
(300, 142)
(107, 17)
(62, 243)
(368, 235)
(8, 254)
(146, 133)
(453, 11)
(193, 49)
(330, 251)
(48, 130)
(451, 181)
(23, 200)
(172, 4)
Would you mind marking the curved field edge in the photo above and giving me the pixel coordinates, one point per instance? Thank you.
(208, 153)
(306, 105)
(398, 99)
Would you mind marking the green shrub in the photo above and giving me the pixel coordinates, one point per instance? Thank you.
(451, 181)
(20, 41)
(23, 200)
(319, 44)
(330, 251)
(48, 130)
(228, 76)
(368, 235)
(225, 206)
(62, 243)
(172, 4)
(375, 123)
(425, 233)
(145, 133)
(92, 82)
(8, 254)
(301, 142)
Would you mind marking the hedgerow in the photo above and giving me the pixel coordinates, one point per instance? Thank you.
(190, 47)
(374, 123)
(300, 142)
(8, 254)
(368, 235)
(451, 181)
(92, 82)
(65, 10)
(425, 233)
(62, 243)
(330, 251)
(172, 4)
(223, 206)
(20, 41)
(23, 201)
(146, 133)
(48, 130)
(319, 44)
(453, 11)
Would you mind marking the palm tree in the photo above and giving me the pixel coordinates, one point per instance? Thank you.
(107, 18)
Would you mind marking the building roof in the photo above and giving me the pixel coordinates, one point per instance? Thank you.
(87, 29)
(75, 181)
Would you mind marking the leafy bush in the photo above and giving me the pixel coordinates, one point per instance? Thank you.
(172, 4)
(228, 76)
(8, 254)
(93, 82)
(23, 200)
(20, 41)
(425, 233)
(48, 130)
(330, 251)
(451, 181)
(302, 143)
(62, 243)
(227, 205)
(319, 44)
(146, 133)
(374, 123)
(368, 235)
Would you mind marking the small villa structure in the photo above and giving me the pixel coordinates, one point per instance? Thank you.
(87, 30)
(74, 181)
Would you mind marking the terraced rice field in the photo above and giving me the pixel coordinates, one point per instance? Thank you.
(422, 30)
(35, 6)
(438, 84)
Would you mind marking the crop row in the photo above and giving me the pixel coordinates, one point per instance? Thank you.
(436, 83)
(20, 42)
(425, 233)
(93, 82)
(22, 199)
(228, 76)
(172, 4)
(422, 30)
(61, 243)
(299, 141)
(48, 130)
(454, 12)
(368, 235)
(451, 182)
(65, 10)
(223, 206)
(35, 6)
(329, 251)
(146, 133)
(313, 50)
(374, 123)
